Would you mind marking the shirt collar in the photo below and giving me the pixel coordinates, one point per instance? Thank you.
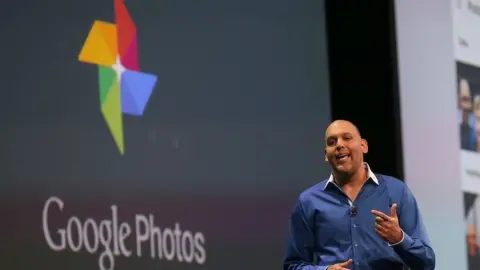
(371, 175)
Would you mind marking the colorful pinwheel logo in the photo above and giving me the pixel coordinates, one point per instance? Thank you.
(123, 88)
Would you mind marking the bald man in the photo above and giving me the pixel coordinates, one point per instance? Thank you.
(356, 219)
(466, 117)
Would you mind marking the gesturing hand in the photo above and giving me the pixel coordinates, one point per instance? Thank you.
(387, 226)
(341, 266)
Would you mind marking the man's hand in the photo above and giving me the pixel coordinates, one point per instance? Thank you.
(387, 226)
(341, 266)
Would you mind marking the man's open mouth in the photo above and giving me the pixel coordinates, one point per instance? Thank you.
(341, 157)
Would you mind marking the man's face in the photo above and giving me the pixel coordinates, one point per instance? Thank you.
(465, 98)
(344, 148)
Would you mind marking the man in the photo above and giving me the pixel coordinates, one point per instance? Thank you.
(466, 117)
(356, 219)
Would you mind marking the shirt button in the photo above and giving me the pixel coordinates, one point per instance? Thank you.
(354, 225)
(356, 245)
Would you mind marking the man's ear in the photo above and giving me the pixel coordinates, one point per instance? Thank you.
(364, 144)
(326, 159)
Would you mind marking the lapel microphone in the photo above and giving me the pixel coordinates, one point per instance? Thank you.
(353, 210)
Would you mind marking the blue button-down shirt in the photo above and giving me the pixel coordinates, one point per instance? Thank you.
(323, 231)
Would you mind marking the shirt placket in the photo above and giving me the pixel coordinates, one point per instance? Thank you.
(354, 226)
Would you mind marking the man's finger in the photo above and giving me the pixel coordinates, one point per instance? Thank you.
(393, 210)
(381, 233)
(379, 219)
(380, 229)
(380, 214)
(386, 224)
(347, 263)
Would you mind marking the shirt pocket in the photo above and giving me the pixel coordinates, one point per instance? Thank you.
(332, 228)
(380, 202)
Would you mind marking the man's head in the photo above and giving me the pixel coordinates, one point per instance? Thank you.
(464, 95)
(344, 147)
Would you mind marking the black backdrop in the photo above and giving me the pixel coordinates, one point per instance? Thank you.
(363, 76)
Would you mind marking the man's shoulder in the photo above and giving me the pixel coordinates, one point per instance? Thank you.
(392, 183)
(312, 191)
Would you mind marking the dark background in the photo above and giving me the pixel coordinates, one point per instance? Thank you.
(232, 134)
(233, 131)
(363, 77)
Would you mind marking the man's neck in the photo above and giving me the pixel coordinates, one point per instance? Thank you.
(358, 178)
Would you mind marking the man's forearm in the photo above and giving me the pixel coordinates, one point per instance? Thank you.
(415, 254)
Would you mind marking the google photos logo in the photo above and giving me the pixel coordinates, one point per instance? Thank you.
(123, 88)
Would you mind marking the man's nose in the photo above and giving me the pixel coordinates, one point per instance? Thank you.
(340, 144)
